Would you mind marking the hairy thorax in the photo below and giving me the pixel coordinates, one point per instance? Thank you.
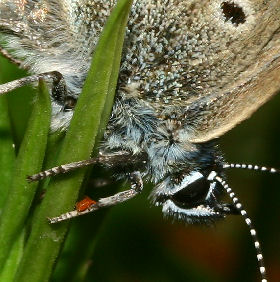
(160, 141)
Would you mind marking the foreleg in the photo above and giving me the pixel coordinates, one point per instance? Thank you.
(135, 188)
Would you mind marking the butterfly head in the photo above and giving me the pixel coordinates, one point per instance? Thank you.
(191, 197)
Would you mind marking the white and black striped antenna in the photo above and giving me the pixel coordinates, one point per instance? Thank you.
(213, 176)
(252, 167)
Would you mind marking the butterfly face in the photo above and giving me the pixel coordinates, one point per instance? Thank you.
(190, 197)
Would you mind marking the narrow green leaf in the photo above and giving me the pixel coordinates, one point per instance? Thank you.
(78, 248)
(46, 240)
(20, 101)
(12, 262)
(7, 151)
(29, 161)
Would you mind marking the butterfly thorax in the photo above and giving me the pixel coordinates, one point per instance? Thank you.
(160, 141)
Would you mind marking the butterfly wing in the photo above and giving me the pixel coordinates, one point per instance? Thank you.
(52, 35)
(225, 52)
(246, 70)
(30, 27)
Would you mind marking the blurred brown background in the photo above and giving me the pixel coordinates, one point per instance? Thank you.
(135, 243)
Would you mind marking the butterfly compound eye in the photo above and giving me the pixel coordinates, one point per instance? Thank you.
(193, 189)
(232, 12)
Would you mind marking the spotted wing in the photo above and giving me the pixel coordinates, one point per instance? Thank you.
(246, 70)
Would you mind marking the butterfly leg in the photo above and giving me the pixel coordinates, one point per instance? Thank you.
(135, 188)
(109, 159)
(6, 54)
(59, 91)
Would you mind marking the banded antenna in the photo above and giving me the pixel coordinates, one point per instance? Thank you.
(214, 177)
(252, 167)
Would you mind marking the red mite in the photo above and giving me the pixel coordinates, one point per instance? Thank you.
(84, 204)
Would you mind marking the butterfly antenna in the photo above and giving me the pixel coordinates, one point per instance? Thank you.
(253, 167)
(214, 177)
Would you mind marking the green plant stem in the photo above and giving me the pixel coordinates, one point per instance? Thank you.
(45, 240)
(28, 161)
(7, 151)
(12, 261)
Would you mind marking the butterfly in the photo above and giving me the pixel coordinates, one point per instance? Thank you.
(190, 72)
